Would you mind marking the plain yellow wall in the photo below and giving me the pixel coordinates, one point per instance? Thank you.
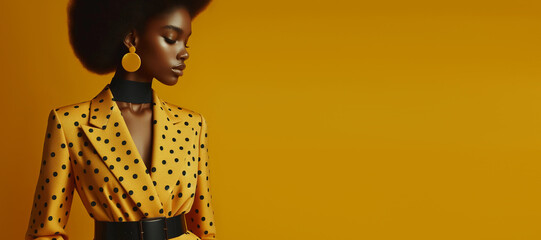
(327, 119)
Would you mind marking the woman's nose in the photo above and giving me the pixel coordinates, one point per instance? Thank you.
(183, 54)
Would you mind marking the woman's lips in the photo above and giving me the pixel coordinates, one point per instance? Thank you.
(178, 72)
(178, 69)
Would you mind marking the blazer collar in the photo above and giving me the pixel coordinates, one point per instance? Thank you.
(104, 102)
(107, 122)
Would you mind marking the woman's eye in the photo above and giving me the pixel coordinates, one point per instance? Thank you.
(170, 41)
(173, 41)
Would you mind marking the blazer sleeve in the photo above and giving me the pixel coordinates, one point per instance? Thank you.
(54, 189)
(200, 219)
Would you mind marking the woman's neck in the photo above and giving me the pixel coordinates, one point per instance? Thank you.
(130, 91)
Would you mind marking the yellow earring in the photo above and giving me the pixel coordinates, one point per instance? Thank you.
(131, 61)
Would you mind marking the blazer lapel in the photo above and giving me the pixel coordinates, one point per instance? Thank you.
(171, 142)
(110, 136)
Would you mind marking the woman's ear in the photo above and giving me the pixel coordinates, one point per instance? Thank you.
(131, 39)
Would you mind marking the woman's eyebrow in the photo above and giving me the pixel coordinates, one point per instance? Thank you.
(177, 29)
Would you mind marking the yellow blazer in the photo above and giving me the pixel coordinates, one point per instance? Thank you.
(89, 147)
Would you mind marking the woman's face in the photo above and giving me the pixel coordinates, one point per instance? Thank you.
(162, 46)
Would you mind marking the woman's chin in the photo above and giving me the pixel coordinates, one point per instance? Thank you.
(170, 81)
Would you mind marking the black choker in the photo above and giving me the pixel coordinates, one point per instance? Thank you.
(131, 91)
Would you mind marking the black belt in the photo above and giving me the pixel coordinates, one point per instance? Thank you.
(159, 228)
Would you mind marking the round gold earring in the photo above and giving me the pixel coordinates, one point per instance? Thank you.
(131, 61)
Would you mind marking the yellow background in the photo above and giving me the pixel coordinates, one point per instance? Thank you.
(327, 119)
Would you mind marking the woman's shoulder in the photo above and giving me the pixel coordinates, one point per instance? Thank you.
(73, 108)
(80, 106)
(178, 112)
(74, 112)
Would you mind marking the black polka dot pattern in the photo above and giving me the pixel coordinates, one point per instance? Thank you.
(54, 190)
(200, 219)
(88, 147)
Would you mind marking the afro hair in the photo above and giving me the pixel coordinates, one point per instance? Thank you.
(97, 28)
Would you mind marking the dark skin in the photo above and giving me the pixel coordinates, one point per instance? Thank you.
(160, 48)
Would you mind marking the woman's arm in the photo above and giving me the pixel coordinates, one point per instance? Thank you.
(200, 219)
(54, 189)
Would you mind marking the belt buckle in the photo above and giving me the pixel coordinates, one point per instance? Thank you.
(150, 220)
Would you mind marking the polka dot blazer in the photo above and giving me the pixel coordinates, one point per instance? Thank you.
(88, 147)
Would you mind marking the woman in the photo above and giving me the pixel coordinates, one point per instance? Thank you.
(139, 164)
